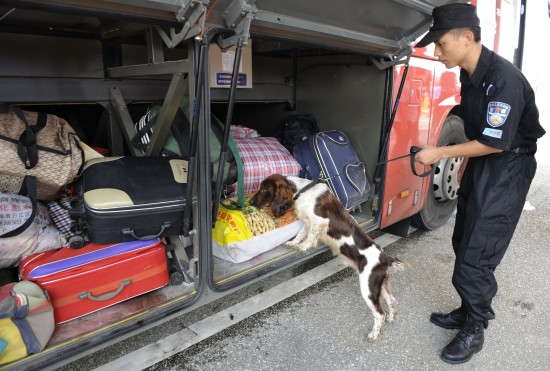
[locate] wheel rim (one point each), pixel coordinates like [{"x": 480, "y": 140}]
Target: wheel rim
[{"x": 445, "y": 184}]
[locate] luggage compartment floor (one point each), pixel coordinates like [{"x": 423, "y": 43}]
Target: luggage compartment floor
[
  {"x": 225, "y": 271},
  {"x": 116, "y": 314}
]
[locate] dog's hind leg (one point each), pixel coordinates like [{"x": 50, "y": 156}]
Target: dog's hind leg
[
  {"x": 390, "y": 301},
  {"x": 373, "y": 302}
]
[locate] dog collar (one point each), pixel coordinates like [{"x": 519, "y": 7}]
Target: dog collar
[{"x": 312, "y": 184}]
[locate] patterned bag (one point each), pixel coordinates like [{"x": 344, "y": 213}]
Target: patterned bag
[
  {"x": 39, "y": 145},
  {"x": 26, "y": 320},
  {"x": 262, "y": 157}
]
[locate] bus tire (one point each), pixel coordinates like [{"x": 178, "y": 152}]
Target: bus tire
[{"x": 442, "y": 195}]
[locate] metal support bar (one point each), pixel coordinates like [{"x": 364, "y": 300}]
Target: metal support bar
[
  {"x": 155, "y": 52},
  {"x": 114, "y": 134},
  {"x": 176, "y": 91},
  {"x": 124, "y": 119},
  {"x": 151, "y": 69}
]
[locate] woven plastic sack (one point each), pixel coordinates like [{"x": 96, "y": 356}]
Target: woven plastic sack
[
  {"x": 240, "y": 234},
  {"x": 262, "y": 157}
]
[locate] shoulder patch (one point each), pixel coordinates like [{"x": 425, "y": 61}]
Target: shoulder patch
[
  {"x": 497, "y": 112},
  {"x": 495, "y": 133}
]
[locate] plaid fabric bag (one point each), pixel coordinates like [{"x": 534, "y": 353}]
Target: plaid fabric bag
[
  {"x": 59, "y": 213},
  {"x": 262, "y": 157}
]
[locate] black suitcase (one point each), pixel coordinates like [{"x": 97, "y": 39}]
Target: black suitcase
[{"x": 128, "y": 198}]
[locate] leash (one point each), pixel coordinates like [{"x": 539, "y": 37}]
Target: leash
[{"x": 414, "y": 150}]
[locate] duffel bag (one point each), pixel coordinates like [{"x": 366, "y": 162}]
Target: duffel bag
[
  {"x": 26, "y": 320},
  {"x": 39, "y": 145}
]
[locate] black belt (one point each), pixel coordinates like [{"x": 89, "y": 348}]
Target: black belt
[{"x": 524, "y": 149}]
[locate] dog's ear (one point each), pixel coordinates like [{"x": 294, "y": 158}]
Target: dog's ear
[{"x": 283, "y": 201}]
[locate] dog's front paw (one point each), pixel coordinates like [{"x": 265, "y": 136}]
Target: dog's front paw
[
  {"x": 290, "y": 244},
  {"x": 303, "y": 248},
  {"x": 373, "y": 336}
]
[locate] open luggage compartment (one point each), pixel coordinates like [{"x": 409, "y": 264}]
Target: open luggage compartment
[{"x": 114, "y": 69}]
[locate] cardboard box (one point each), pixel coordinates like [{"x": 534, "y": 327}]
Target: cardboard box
[{"x": 221, "y": 67}]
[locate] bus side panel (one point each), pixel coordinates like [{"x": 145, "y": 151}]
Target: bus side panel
[{"x": 428, "y": 95}]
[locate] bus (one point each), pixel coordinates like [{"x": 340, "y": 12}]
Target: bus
[{"x": 101, "y": 64}]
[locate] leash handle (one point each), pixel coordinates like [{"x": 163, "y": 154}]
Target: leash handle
[{"x": 414, "y": 150}]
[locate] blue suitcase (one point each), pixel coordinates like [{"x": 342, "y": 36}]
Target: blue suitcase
[{"x": 329, "y": 155}]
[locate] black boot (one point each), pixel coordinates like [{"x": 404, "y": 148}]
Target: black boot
[
  {"x": 466, "y": 343},
  {"x": 453, "y": 320}
]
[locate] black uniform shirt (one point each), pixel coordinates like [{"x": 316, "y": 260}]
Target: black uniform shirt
[{"x": 498, "y": 104}]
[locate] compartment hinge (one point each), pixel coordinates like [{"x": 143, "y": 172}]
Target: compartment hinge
[
  {"x": 238, "y": 16},
  {"x": 403, "y": 57},
  {"x": 193, "y": 16}
]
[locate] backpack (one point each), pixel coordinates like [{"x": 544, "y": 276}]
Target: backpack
[{"x": 296, "y": 128}]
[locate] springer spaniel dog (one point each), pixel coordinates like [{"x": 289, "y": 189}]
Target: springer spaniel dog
[{"x": 326, "y": 219}]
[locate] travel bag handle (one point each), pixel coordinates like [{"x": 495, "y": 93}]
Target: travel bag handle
[
  {"x": 130, "y": 232},
  {"x": 27, "y": 148},
  {"x": 106, "y": 296}
]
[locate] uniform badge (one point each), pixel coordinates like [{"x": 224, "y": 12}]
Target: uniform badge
[
  {"x": 497, "y": 112},
  {"x": 495, "y": 133}
]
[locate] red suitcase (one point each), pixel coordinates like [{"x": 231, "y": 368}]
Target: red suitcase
[{"x": 86, "y": 280}]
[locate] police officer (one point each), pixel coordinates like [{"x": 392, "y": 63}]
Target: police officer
[{"x": 501, "y": 122}]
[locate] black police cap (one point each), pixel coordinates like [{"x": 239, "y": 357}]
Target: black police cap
[{"x": 447, "y": 17}]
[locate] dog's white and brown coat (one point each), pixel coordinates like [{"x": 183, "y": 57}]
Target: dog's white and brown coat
[{"x": 325, "y": 219}]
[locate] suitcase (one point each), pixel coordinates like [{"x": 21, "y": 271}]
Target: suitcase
[
  {"x": 130, "y": 198},
  {"x": 94, "y": 277},
  {"x": 329, "y": 155}
]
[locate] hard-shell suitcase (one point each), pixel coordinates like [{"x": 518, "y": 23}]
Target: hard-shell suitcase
[
  {"x": 129, "y": 198},
  {"x": 329, "y": 155},
  {"x": 86, "y": 280}
]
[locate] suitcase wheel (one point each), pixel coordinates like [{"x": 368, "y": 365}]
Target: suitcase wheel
[
  {"x": 176, "y": 278},
  {"x": 77, "y": 242}
]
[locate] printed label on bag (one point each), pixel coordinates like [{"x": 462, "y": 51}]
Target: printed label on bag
[
  {"x": 179, "y": 169},
  {"x": 16, "y": 210}
]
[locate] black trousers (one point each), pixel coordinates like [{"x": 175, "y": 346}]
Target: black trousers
[{"x": 490, "y": 201}]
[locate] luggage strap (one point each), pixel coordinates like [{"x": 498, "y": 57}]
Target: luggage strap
[
  {"x": 27, "y": 148},
  {"x": 28, "y": 188}
]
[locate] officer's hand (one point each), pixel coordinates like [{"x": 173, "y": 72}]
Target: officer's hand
[{"x": 429, "y": 155}]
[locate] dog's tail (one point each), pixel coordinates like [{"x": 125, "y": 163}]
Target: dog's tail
[{"x": 397, "y": 264}]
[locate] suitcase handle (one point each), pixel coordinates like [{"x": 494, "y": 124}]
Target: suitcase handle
[
  {"x": 130, "y": 232},
  {"x": 107, "y": 296}
]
